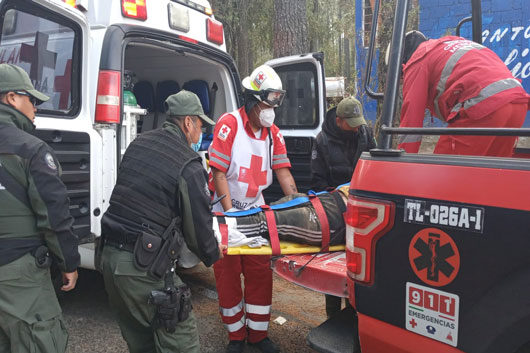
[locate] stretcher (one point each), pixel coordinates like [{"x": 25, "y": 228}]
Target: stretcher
[
  {"x": 277, "y": 246},
  {"x": 286, "y": 248}
]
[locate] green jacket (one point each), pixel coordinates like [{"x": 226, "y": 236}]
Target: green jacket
[
  {"x": 32, "y": 163},
  {"x": 160, "y": 177},
  {"x": 194, "y": 201}
]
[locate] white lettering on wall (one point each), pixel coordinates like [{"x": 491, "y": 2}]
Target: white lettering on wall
[
  {"x": 498, "y": 35},
  {"x": 518, "y": 60}
]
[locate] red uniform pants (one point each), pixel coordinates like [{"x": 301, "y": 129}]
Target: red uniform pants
[
  {"x": 511, "y": 115},
  {"x": 248, "y": 315}
]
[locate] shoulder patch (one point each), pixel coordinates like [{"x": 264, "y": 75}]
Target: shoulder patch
[
  {"x": 224, "y": 131},
  {"x": 280, "y": 137},
  {"x": 50, "y": 161}
]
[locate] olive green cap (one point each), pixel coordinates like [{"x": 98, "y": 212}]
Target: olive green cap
[
  {"x": 351, "y": 110},
  {"x": 14, "y": 78},
  {"x": 186, "y": 103}
]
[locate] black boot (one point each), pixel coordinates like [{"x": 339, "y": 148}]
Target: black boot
[
  {"x": 266, "y": 346},
  {"x": 235, "y": 347}
]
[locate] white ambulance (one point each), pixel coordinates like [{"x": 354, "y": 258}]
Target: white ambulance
[{"x": 77, "y": 52}]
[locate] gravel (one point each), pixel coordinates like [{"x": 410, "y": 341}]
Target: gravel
[{"x": 92, "y": 326}]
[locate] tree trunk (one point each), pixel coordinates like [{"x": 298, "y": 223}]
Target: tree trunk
[
  {"x": 347, "y": 67},
  {"x": 243, "y": 49},
  {"x": 290, "y": 27},
  {"x": 315, "y": 43}
]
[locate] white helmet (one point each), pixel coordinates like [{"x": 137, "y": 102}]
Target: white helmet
[{"x": 265, "y": 84}]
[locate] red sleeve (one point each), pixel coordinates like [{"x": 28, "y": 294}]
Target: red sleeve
[
  {"x": 279, "y": 157},
  {"x": 415, "y": 96},
  {"x": 223, "y": 137}
]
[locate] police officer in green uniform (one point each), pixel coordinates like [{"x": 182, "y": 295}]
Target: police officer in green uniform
[
  {"x": 159, "y": 205},
  {"x": 34, "y": 221}
]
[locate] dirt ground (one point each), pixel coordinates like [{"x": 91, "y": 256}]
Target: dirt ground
[{"x": 92, "y": 326}]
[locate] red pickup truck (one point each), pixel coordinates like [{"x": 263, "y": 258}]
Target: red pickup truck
[{"x": 437, "y": 246}]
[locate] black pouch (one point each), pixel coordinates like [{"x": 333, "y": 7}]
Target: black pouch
[
  {"x": 185, "y": 302},
  {"x": 166, "y": 257},
  {"x": 42, "y": 256},
  {"x": 145, "y": 250}
]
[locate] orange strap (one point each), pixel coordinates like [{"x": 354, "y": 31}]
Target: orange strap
[
  {"x": 323, "y": 218},
  {"x": 273, "y": 231}
]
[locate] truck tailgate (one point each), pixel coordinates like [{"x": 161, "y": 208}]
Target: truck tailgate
[{"x": 324, "y": 273}]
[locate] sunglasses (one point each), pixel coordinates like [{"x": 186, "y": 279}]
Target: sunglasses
[{"x": 32, "y": 99}]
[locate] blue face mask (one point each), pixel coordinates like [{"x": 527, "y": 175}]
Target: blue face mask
[{"x": 196, "y": 146}]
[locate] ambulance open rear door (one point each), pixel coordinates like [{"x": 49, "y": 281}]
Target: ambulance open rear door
[{"x": 301, "y": 115}]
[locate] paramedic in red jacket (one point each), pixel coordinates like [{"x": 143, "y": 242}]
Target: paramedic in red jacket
[
  {"x": 246, "y": 148},
  {"x": 464, "y": 84}
]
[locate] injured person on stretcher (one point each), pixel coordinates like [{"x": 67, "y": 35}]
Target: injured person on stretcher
[{"x": 314, "y": 219}]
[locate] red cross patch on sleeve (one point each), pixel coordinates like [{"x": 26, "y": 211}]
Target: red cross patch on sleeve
[
  {"x": 224, "y": 131},
  {"x": 280, "y": 137}
]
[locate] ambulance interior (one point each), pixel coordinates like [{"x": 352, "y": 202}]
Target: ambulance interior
[{"x": 162, "y": 71}]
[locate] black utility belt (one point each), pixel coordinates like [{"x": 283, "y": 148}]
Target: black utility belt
[
  {"x": 153, "y": 253},
  {"x": 12, "y": 249},
  {"x": 120, "y": 244}
]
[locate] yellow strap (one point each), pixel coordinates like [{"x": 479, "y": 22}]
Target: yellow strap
[{"x": 286, "y": 248}]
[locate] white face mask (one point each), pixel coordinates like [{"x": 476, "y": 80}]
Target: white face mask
[{"x": 266, "y": 117}]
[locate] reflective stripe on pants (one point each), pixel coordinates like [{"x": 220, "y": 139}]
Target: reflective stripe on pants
[
  {"x": 233, "y": 311},
  {"x": 257, "y": 296}
]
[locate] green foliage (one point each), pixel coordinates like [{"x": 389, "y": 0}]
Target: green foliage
[
  {"x": 261, "y": 31},
  {"x": 259, "y": 25},
  {"x": 328, "y": 22}
]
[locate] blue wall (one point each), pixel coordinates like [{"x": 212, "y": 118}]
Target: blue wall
[
  {"x": 505, "y": 23},
  {"x": 369, "y": 105}
]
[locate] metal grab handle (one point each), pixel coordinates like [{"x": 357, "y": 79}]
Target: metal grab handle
[{"x": 368, "y": 73}]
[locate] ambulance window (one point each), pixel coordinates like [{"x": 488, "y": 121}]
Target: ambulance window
[
  {"x": 46, "y": 47},
  {"x": 300, "y": 106}
]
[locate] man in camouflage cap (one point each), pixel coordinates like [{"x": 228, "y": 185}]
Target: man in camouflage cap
[{"x": 34, "y": 221}]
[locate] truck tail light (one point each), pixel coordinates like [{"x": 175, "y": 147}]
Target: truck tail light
[
  {"x": 136, "y": 9},
  {"x": 108, "y": 97},
  {"x": 214, "y": 31},
  {"x": 366, "y": 220}
]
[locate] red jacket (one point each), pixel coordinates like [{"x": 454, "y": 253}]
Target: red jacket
[{"x": 454, "y": 76}]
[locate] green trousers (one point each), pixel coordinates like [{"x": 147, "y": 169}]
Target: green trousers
[
  {"x": 30, "y": 315},
  {"x": 128, "y": 290}
]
